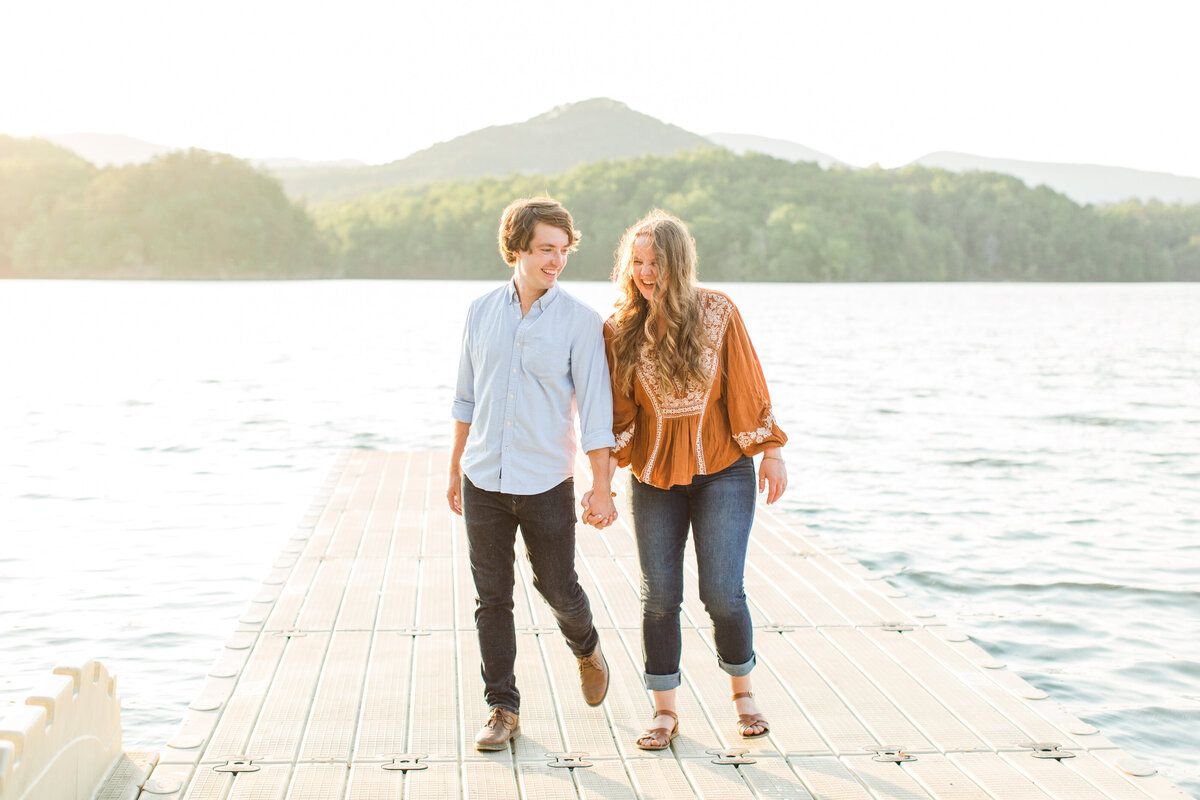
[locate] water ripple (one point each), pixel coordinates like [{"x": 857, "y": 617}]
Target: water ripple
[{"x": 1023, "y": 460}]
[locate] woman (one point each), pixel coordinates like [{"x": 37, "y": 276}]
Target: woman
[{"x": 690, "y": 406}]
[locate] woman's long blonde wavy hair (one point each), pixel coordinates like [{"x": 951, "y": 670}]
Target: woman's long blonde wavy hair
[{"x": 671, "y": 321}]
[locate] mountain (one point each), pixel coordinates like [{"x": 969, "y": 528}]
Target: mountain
[
  {"x": 776, "y": 148},
  {"x": 115, "y": 150},
  {"x": 601, "y": 128},
  {"x": 1083, "y": 183},
  {"x": 284, "y": 163},
  {"x": 548, "y": 144},
  {"x": 109, "y": 149}
]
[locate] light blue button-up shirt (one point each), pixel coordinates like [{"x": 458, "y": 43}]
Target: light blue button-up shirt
[{"x": 518, "y": 382}]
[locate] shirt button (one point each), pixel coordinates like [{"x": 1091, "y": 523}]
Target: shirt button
[
  {"x": 511, "y": 396},
  {"x": 509, "y": 422}
]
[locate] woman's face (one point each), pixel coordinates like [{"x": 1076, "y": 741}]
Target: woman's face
[{"x": 644, "y": 266}]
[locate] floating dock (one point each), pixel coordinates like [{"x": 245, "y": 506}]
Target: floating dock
[{"x": 354, "y": 674}]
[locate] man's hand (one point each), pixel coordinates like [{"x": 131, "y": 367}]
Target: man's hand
[
  {"x": 598, "y": 508},
  {"x": 599, "y": 511},
  {"x": 454, "y": 492},
  {"x": 454, "y": 485}
]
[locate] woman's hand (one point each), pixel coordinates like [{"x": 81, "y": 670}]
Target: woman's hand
[
  {"x": 772, "y": 475},
  {"x": 603, "y": 513}
]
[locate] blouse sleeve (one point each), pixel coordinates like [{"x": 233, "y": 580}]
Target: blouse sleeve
[
  {"x": 624, "y": 408},
  {"x": 751, "y": 420}
]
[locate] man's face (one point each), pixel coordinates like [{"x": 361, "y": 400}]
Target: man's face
[{"x": 538, "y": 268}]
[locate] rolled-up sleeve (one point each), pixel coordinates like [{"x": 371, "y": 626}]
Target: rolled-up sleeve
[
  {"x": 463, "y": 408},
  {"x": 589, "y": 373}
]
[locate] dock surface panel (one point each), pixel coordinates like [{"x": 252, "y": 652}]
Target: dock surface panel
[{"x": 354, "y": 675}]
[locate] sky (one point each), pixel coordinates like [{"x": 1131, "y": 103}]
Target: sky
[{"x": 868, "y": 82}]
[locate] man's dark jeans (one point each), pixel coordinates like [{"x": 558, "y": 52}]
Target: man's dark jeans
[{"x": 547, "y": 523}]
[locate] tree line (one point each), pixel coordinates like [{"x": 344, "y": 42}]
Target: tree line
[
  {"x": 187, "y": 214},
  {"x": 202, "y": 215}
]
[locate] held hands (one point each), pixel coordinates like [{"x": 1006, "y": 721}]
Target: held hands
[
  {"x": 599, "y": 511},
  {"x": 773, "y": 473}
]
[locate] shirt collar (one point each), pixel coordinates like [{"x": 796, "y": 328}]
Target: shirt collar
[{"x": 544, "y": 301}]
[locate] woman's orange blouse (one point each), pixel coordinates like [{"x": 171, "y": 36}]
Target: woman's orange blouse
[{"x": 669, "y": 440}]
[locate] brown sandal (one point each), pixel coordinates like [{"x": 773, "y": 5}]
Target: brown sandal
[
  {"x": 747, "y": 721},
  {"x": 659, "y": 734}
]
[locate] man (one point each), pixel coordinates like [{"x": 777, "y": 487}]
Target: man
[{"x": 531, "y": 353}]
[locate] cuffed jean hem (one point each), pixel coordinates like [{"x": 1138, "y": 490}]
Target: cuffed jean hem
[
  {"x": 662, "y": 683},
  {"x": 738, "y": 670}
]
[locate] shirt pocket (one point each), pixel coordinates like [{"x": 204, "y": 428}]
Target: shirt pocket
[{"x": 547, "y": 359}]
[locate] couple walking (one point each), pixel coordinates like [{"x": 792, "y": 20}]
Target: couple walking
[{"x": 670, "y": 386}]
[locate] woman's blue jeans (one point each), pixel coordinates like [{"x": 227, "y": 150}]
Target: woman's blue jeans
[{"x": 720, "y": 510}]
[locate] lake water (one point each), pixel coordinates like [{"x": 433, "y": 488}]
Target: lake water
[{"x": 1023, "y": 459}]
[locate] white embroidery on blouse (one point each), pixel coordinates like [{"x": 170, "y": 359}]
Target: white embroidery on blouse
[
  {"x": 658, "y": 426},
  {"x": 624, "y": 439},
  {"x": 716, "y": 311},
  {"x": 746, "y": 439}
]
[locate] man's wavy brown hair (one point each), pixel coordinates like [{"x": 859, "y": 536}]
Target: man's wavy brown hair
[
  {"x": 522, "y": 216},
  {"x": 671, "y": 321}
]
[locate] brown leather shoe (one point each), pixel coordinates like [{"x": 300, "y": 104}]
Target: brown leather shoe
[
  {"x": 501, "y": 726},
  {"x": 593, "y": 677}
]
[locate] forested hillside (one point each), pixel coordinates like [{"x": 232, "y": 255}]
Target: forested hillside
[
  {"x": 758, "y": 218},
  {"x": 201, "y": 215},
  {"x": 34, "y": 176},
  {"x": 187, "y": 214}
]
